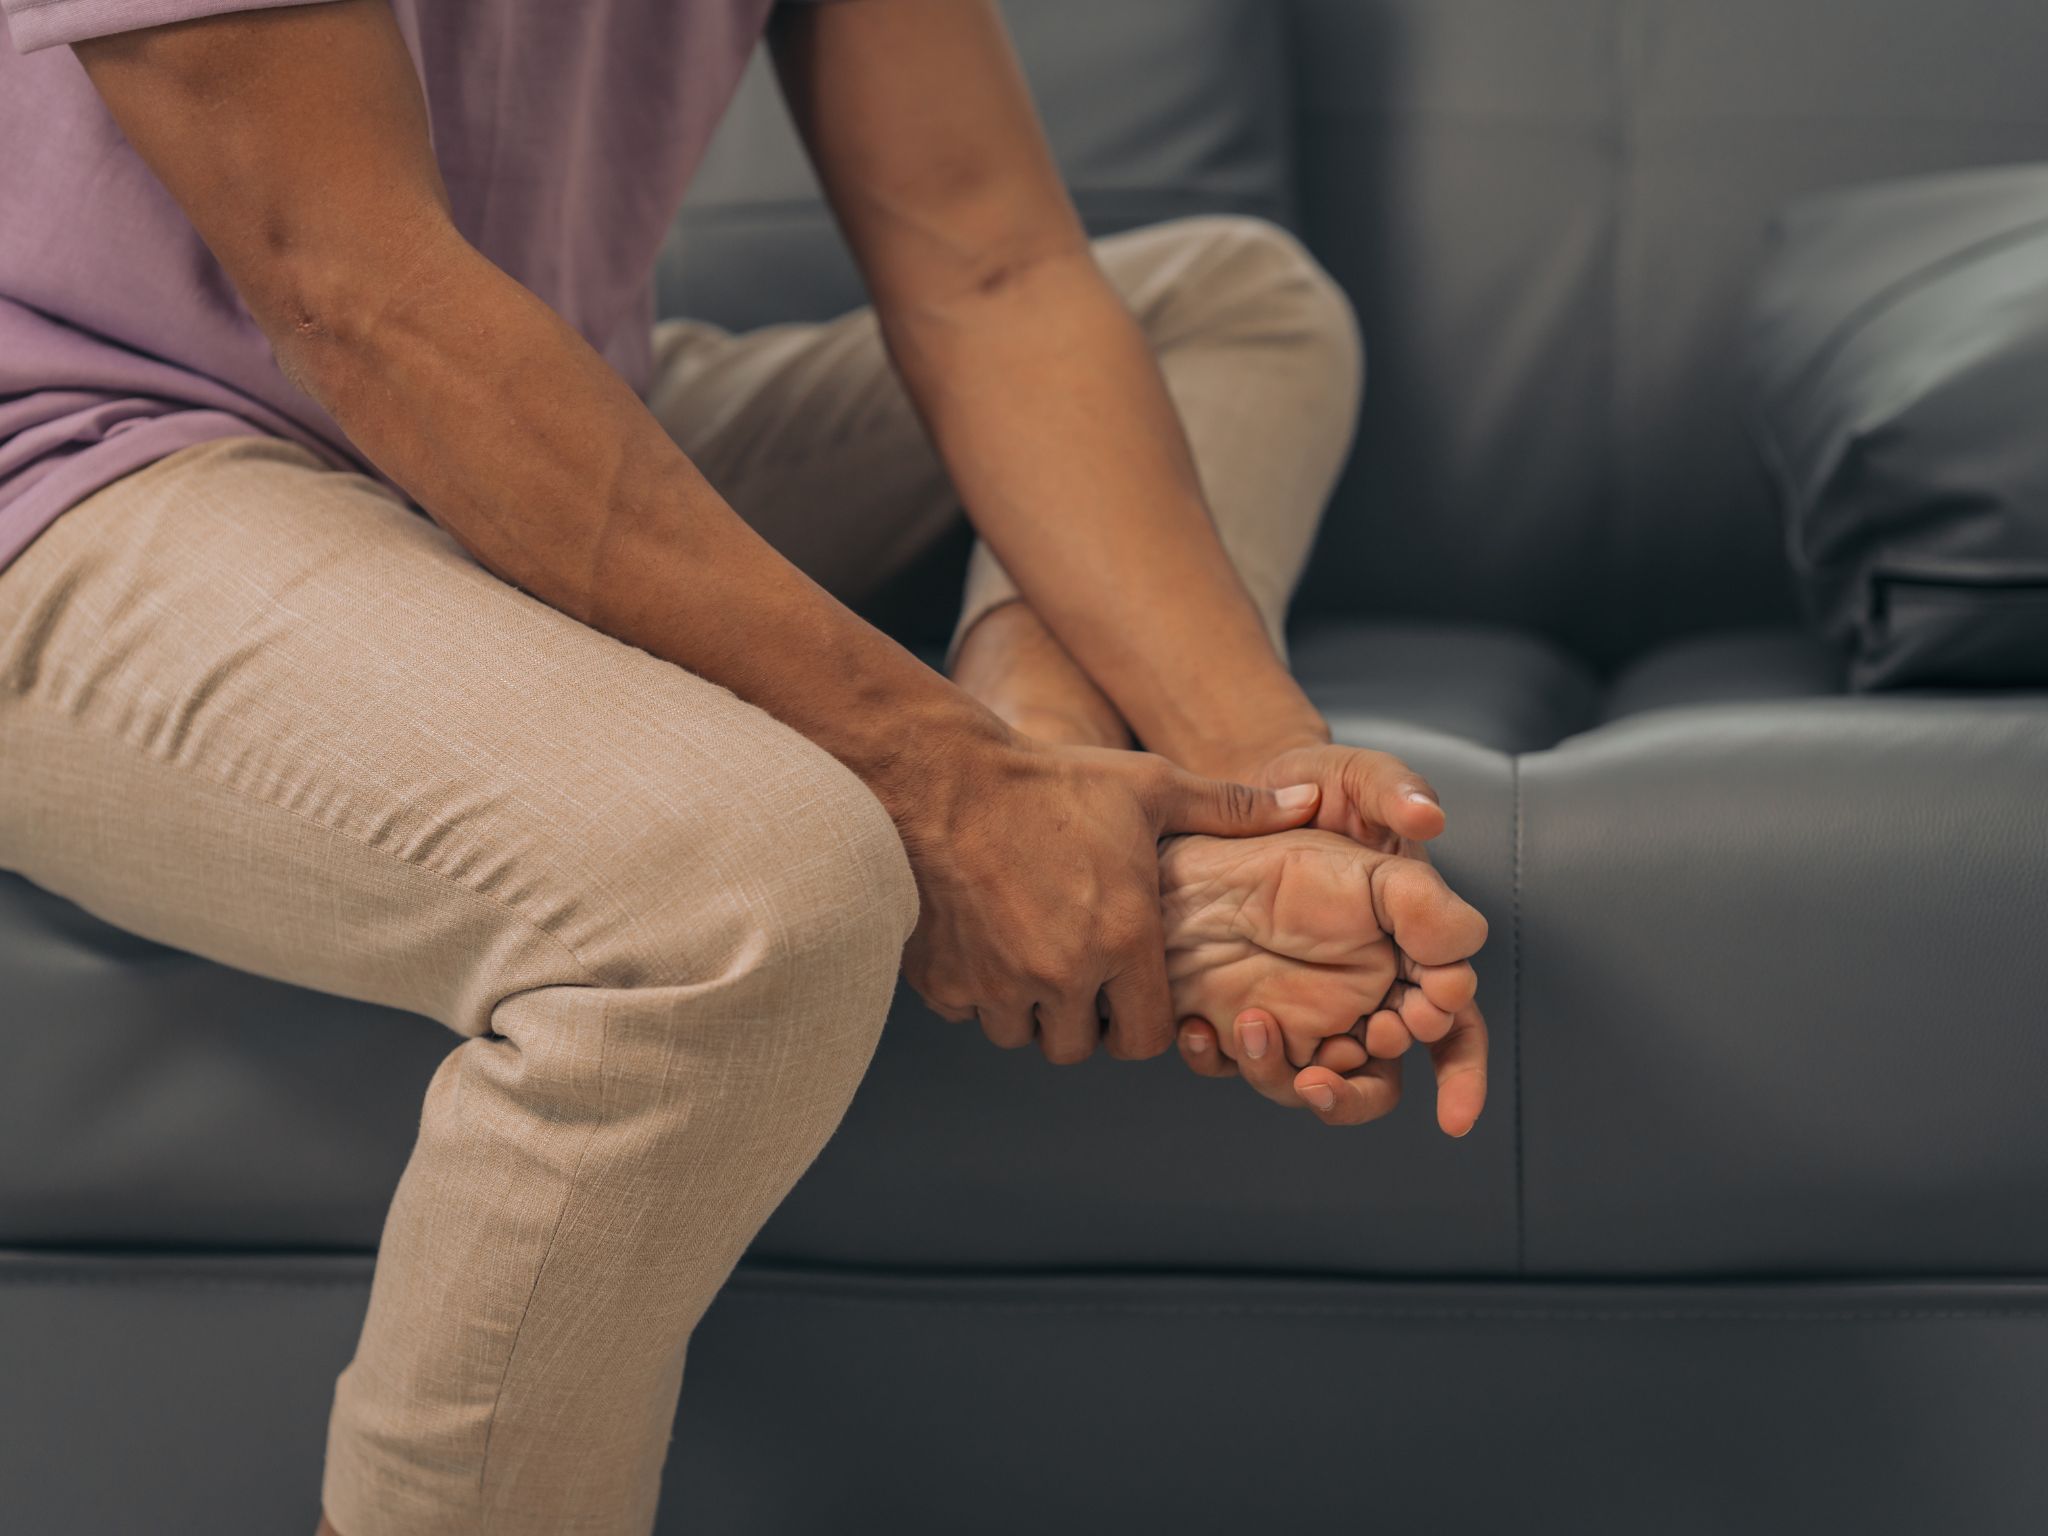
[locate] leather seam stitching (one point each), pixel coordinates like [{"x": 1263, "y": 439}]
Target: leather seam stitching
[
  {"x": 741, "y": 1282},
  {"x": 2038, "y": 1313},
  {"x": 746, "y": 1283},
  {"x": 1515, "y": 1005}
]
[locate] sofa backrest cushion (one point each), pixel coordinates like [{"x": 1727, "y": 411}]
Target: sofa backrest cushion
[
  {"x": 1548, "y": 213},
  {"x": 1156, "y": 109}
]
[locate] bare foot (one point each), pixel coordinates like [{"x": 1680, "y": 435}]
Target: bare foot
[{"x": 1306, "y": 950}]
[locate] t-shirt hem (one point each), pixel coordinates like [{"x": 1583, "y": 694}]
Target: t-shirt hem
[
  {"x": 39, "y": 24},
  {"x": 26, "y": 515}
]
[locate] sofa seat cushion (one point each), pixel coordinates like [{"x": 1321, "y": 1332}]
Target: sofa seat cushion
[
  {"x": 1763, "y": 980},
  {"x": 1507, "y": 689},
  {"x": 1736, "y": 667},
  {"x": 1780, "y": 981},
  {"x": 153, "y": 1098}
]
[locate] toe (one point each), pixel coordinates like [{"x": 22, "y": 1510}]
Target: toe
[
  {"x": 1386, "y": 1035},
  {"x": 1450, "y": 987},
  {"x": 1425, "y": 1021},
  {"x": 1430, "y": 922},
  {"x": 1460, "y": 1060},
  {"x": 1341, "y": 1054}
]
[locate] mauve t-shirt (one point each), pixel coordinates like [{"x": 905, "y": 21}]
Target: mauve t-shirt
[{"x": 566, "y": 131}]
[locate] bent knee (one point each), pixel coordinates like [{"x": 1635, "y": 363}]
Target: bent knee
[
  {"x": 779, "y": 869},
  {"x": 829, "y": 875},
  {"x": 1247, "y": 277}
]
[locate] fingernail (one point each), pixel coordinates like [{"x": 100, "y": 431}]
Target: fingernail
[
  {"x": 1320, "y": 1096},
  {"x": 1422, "y": 797},
  {"x": 1252, "y": 1034},
  {"x": 1197, "y": 1044},
  {"x": 1296, "y": 797}
]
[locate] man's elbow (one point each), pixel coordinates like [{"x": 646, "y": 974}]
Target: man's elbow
[{"x": 329, "y": 305}]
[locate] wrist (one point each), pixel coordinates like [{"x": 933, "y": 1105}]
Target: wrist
[{"x": 916, "y": 756}]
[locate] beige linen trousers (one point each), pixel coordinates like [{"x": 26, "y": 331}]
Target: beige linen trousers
[{"x": 262, "y": 710}]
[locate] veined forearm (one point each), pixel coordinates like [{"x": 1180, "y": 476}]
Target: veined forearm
[{"x": 521, "y": 441}]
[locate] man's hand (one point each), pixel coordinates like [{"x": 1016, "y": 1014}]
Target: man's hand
[
  {"x": 1039, "y": 872},
  {"x": 1371, "y": 797},
  {"x": 1375, "y": 801}
]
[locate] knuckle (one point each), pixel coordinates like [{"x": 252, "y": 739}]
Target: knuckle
[
  {"x": 1156, "y": 780},
  {"x": 1240, "y": 801},
  {"x": 1047, "y": 968},
  {"x": 948, "y": 1001},
  {"x": 1127, "y": 927}
]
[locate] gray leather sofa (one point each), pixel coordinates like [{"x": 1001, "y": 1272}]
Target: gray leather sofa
[{"x": 1755, "y": 1234}]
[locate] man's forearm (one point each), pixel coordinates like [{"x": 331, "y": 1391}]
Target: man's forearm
[
  {"x": 1051, "y": 415},
  {"x": 531, "y": 450}
]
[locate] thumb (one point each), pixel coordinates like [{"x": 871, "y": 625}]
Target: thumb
[{"x": 1221, "y": 808}]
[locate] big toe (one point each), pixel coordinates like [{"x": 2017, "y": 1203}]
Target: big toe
[{"x": 1429, "y": 921}]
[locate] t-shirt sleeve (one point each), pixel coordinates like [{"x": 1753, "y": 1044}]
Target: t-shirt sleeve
[{"x": 37, "y": 24}]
